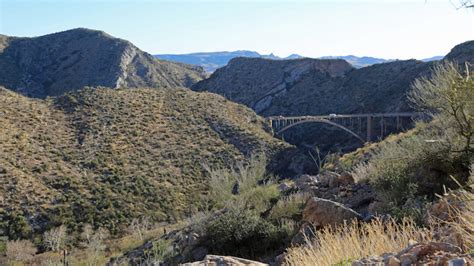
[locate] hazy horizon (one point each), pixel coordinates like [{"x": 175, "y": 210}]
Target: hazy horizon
[{"x": 308, "y": 28}]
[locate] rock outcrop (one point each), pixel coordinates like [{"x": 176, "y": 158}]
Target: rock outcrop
[
  {"x": 461, "y": 53},
  {"x": 431, "y": 253},
  {"x": 262, "y": 83},
  {"x": 321, "y": 212},
  {"x": 53, "y": 64},
  {"x": 213, "y": 260},
  {"x": 312, "y": 86}
]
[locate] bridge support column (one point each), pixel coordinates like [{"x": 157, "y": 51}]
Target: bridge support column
[
  {"x": 382, "y": 133},
  {"x": 369, "y": 128}
]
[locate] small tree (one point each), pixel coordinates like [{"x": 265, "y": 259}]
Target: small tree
[
  {"x": 93, "y": 242},
  {"x": 466, "y": 4},
  {"x": 55, "y": 239},
  {"x": 139, "y": 226},
  {"x": 449, "y": 96}
]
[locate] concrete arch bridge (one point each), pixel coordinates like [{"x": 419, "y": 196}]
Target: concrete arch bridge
[{"x": 365, "y": 127}]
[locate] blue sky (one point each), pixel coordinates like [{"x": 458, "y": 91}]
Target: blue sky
[{"x": 382, "y": 28}]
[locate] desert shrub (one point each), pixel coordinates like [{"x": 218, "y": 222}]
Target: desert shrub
[
  {"x": 419, "y": 165},
  {"x": 138, "y": 226},
  {"x": 16, "y": 225},
  {"x": 289, "y": 207},
  {"x": 20, "y": 250},
  {"x": 448, "y": 95},
  {"x": 410, "y": 167},
  {"x": 159, "y": 252},
  {"x": 55, "y": 239},
  {"x": 243, "y": 232},
  {"x": 3, "y": 244},
  {"x": 343, "y": 244},
  {"x": 456, "y": 220},
  {"x": 248, "y": 186},
  {"x": 94, "y": 244}
]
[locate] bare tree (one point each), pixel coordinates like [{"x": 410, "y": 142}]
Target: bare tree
[
  {"x": 139, "y": 226},
  {"x": 466, "y": 4},
  {"x": 93, "y": 242},
  {"x": 55, "y": 238}
]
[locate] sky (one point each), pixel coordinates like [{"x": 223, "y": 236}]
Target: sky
[{"x": 392, "y": 29}]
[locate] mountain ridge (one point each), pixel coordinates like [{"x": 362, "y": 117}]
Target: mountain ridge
[
  {"x": 210, "y": 61},
  {"x": 55, "y": 63}
]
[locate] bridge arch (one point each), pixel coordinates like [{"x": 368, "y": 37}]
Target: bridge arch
[{"x": 321, "y": 120}]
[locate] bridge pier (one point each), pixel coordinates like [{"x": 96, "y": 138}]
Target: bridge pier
[{"x": 369, "y": 128}]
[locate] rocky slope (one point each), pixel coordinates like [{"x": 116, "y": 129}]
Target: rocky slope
[
  {"x": 311, "y": 87},
  {"x": 56, "y": 63},
  {"x": 318, "y": 87},
  {"x": 463, "y": 52},
  {"x": 105, "y": 156},
  {"x": 260, "y": 83}
]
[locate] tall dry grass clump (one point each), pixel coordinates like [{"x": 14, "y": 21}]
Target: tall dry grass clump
[{"x": 353, "y": 241}]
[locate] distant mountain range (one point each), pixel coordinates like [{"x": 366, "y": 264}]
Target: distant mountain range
[{"x": 214, "y": 60}]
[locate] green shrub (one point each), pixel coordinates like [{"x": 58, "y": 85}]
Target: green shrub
[
  {"x": 289, "y": 207},
  {"x": 247, "y": 186},
  {"x": 416, "y": 165},
  {"x": 414, "y": 168},
  {"x": 242, "y": 232}
]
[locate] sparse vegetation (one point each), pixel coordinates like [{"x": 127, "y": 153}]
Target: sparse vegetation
[
  {"x": 106, "y": 157},
  {"x": 20, "y": 250},
  {"x": 414, "y": 168},
  {"x": 352, "y": 241},
  {"x": 289, "y": 207}
]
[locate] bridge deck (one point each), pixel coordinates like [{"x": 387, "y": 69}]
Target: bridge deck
[{"x": 406, "y": 114}]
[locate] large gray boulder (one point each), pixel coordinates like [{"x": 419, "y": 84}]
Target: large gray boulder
[
  {"x": 215, "y": 260},
  {"x": 322, "y": 212}
]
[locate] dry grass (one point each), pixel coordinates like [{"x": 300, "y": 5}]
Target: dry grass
[
  {"x": 355, "y": 241},
  {"x": 20, "y": 250}
]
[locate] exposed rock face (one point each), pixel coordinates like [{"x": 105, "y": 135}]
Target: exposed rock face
[
  {"x": 321, "y": 212},
  {"x": 462, "y": 53},
  {"x": 53, "y": 64},
  {"x": 431, "y": 253},
  {"x": 338, "y": 188},
  {"x": 315, "y": 86},
  {"x": 311, "y": 86},
  {"x": 213, "y": 260},
  {"x": 258, "y": 82}
]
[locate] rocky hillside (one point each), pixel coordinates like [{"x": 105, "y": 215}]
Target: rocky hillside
[
  {"x": 310, "y": 86},
  {"x": 56, "y": 63},
  {"x": 262, "y": 83},
  {"x": 463, "y": 52},
  {"x": 105, "y": 156}
]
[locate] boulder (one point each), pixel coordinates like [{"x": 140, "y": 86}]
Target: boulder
[
  {"x": 321, "y": 212},
  {"x": 429, "y": 253},
  {"x": 216, "y": 260},
  {"x": 306, "y": 182},
  {"x": 344, "y": 179}
]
